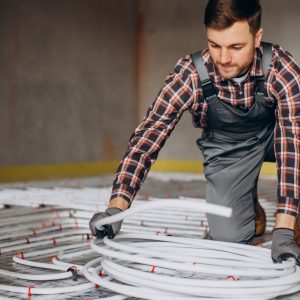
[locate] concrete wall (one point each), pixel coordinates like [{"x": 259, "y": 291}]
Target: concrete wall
[
  {"x": 67, "y": 80},
  {"x": 76, "y": 76}
]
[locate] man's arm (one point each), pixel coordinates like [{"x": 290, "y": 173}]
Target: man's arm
[
  {"x": 286, "y": 90},
  {"x": 177, "y": 95}
]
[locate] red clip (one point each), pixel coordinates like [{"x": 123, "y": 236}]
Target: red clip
[
  {"x": 20, "y": 255},
  {"x": 33, "y": 232},
  {"x": 42, "y": 225},
  {"x": 52, "y": 257},
  {"x": 230, "y": 278},
  {"x": 27, "y": 240},
  {"x": 101, "y": 274},
  {"x": 153, "y": 269},
  {"x": 53, "y": 241},
  {"x": 29, "y": 290}
]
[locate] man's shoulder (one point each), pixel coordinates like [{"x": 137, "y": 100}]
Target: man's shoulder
[
  {"x": 280, "y": 54},
  {"x": 185, "y": 63},
  {"x": 185, "y": 66}
]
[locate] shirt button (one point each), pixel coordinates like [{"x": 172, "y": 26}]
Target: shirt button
[{"x": 240, "y": 92}]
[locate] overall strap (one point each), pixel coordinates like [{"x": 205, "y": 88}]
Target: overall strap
[
  {"x": 207, "y": 85},
  {"x": 266, "y": 62}
]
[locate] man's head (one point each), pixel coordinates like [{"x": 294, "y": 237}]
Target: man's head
[{"x": 233, "y": 33}]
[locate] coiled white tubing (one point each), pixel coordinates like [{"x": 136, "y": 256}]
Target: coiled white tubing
[
  {"x": 189, "y": 268},
  {"x": 168, "y": 267}
]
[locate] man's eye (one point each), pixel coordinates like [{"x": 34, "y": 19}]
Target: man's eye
[
  {"x": 214, "y": 46},
  {"x": 237, "y": 48}
]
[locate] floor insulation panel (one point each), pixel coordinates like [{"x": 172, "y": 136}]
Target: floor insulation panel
[{"x": 42, "y": 220}]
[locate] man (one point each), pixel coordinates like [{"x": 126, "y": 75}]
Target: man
[{"x": 245, "y": 94}]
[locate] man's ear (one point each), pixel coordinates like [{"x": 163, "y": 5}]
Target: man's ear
[{"x": 258, "y": 37}]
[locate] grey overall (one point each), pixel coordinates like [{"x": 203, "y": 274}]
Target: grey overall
[{"x": 234, "y": 146}]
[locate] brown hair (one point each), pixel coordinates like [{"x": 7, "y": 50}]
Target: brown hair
[{"x": 221, "y": 14}]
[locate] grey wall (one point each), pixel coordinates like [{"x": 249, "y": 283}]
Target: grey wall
[
  {"x": 76, "y": 76},
  {"x": 67, "y": 84}
]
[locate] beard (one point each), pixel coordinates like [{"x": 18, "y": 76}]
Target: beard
[{"x": 231, "y": 71}]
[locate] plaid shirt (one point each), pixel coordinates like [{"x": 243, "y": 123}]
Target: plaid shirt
[{"x": 182, "y": 91}]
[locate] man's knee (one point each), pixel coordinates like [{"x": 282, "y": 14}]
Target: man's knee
[{"x": 233, "y": 233}]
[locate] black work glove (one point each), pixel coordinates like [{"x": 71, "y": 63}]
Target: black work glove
[
  {"x": 284, "y": 245},
  {"x": 109, "y": 230}
]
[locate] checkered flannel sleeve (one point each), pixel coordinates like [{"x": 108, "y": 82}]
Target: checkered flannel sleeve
[
  {"x": 286, "y": 90},
  {"x": 176, "y": 96}
]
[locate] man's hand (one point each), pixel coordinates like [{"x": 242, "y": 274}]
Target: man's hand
[
  {"x": 284, "y": 245},
  {"x": 109, "y": 230}
]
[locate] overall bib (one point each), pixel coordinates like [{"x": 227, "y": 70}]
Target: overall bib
[{"x": 234, "y": 146}]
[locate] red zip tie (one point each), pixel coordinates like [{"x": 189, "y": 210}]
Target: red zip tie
[
  {"x": 153, "y": 269},
  {"x": 29, "y": 290},
  {"x": 101, "y": 275},
  {"x": 230, "y": 278},
  {"x": 53, "y": 241},
  {"x": 53, "y": 223},
  {"x": 52, "y": 257},
  {"x": 27, "y": 240},
  {"x": 33, "y": 232},
  {"x": 20, "y": 255},
  {"x": 42, "y": 225},
  {"x": 60, "y": 227}
]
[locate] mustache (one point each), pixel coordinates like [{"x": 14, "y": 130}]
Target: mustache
[{"x": 226, "y": 65}]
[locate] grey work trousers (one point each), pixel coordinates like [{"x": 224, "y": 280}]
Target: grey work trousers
[{"x": 232, "y": 162}]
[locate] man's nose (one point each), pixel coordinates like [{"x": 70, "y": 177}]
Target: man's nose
[{"x": 225, "y": 56}]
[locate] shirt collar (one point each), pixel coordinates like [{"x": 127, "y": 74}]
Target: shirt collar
[{"x": 213, "y": 72}]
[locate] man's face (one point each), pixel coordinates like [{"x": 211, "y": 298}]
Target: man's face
[{"x": 232, "y": 49}]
